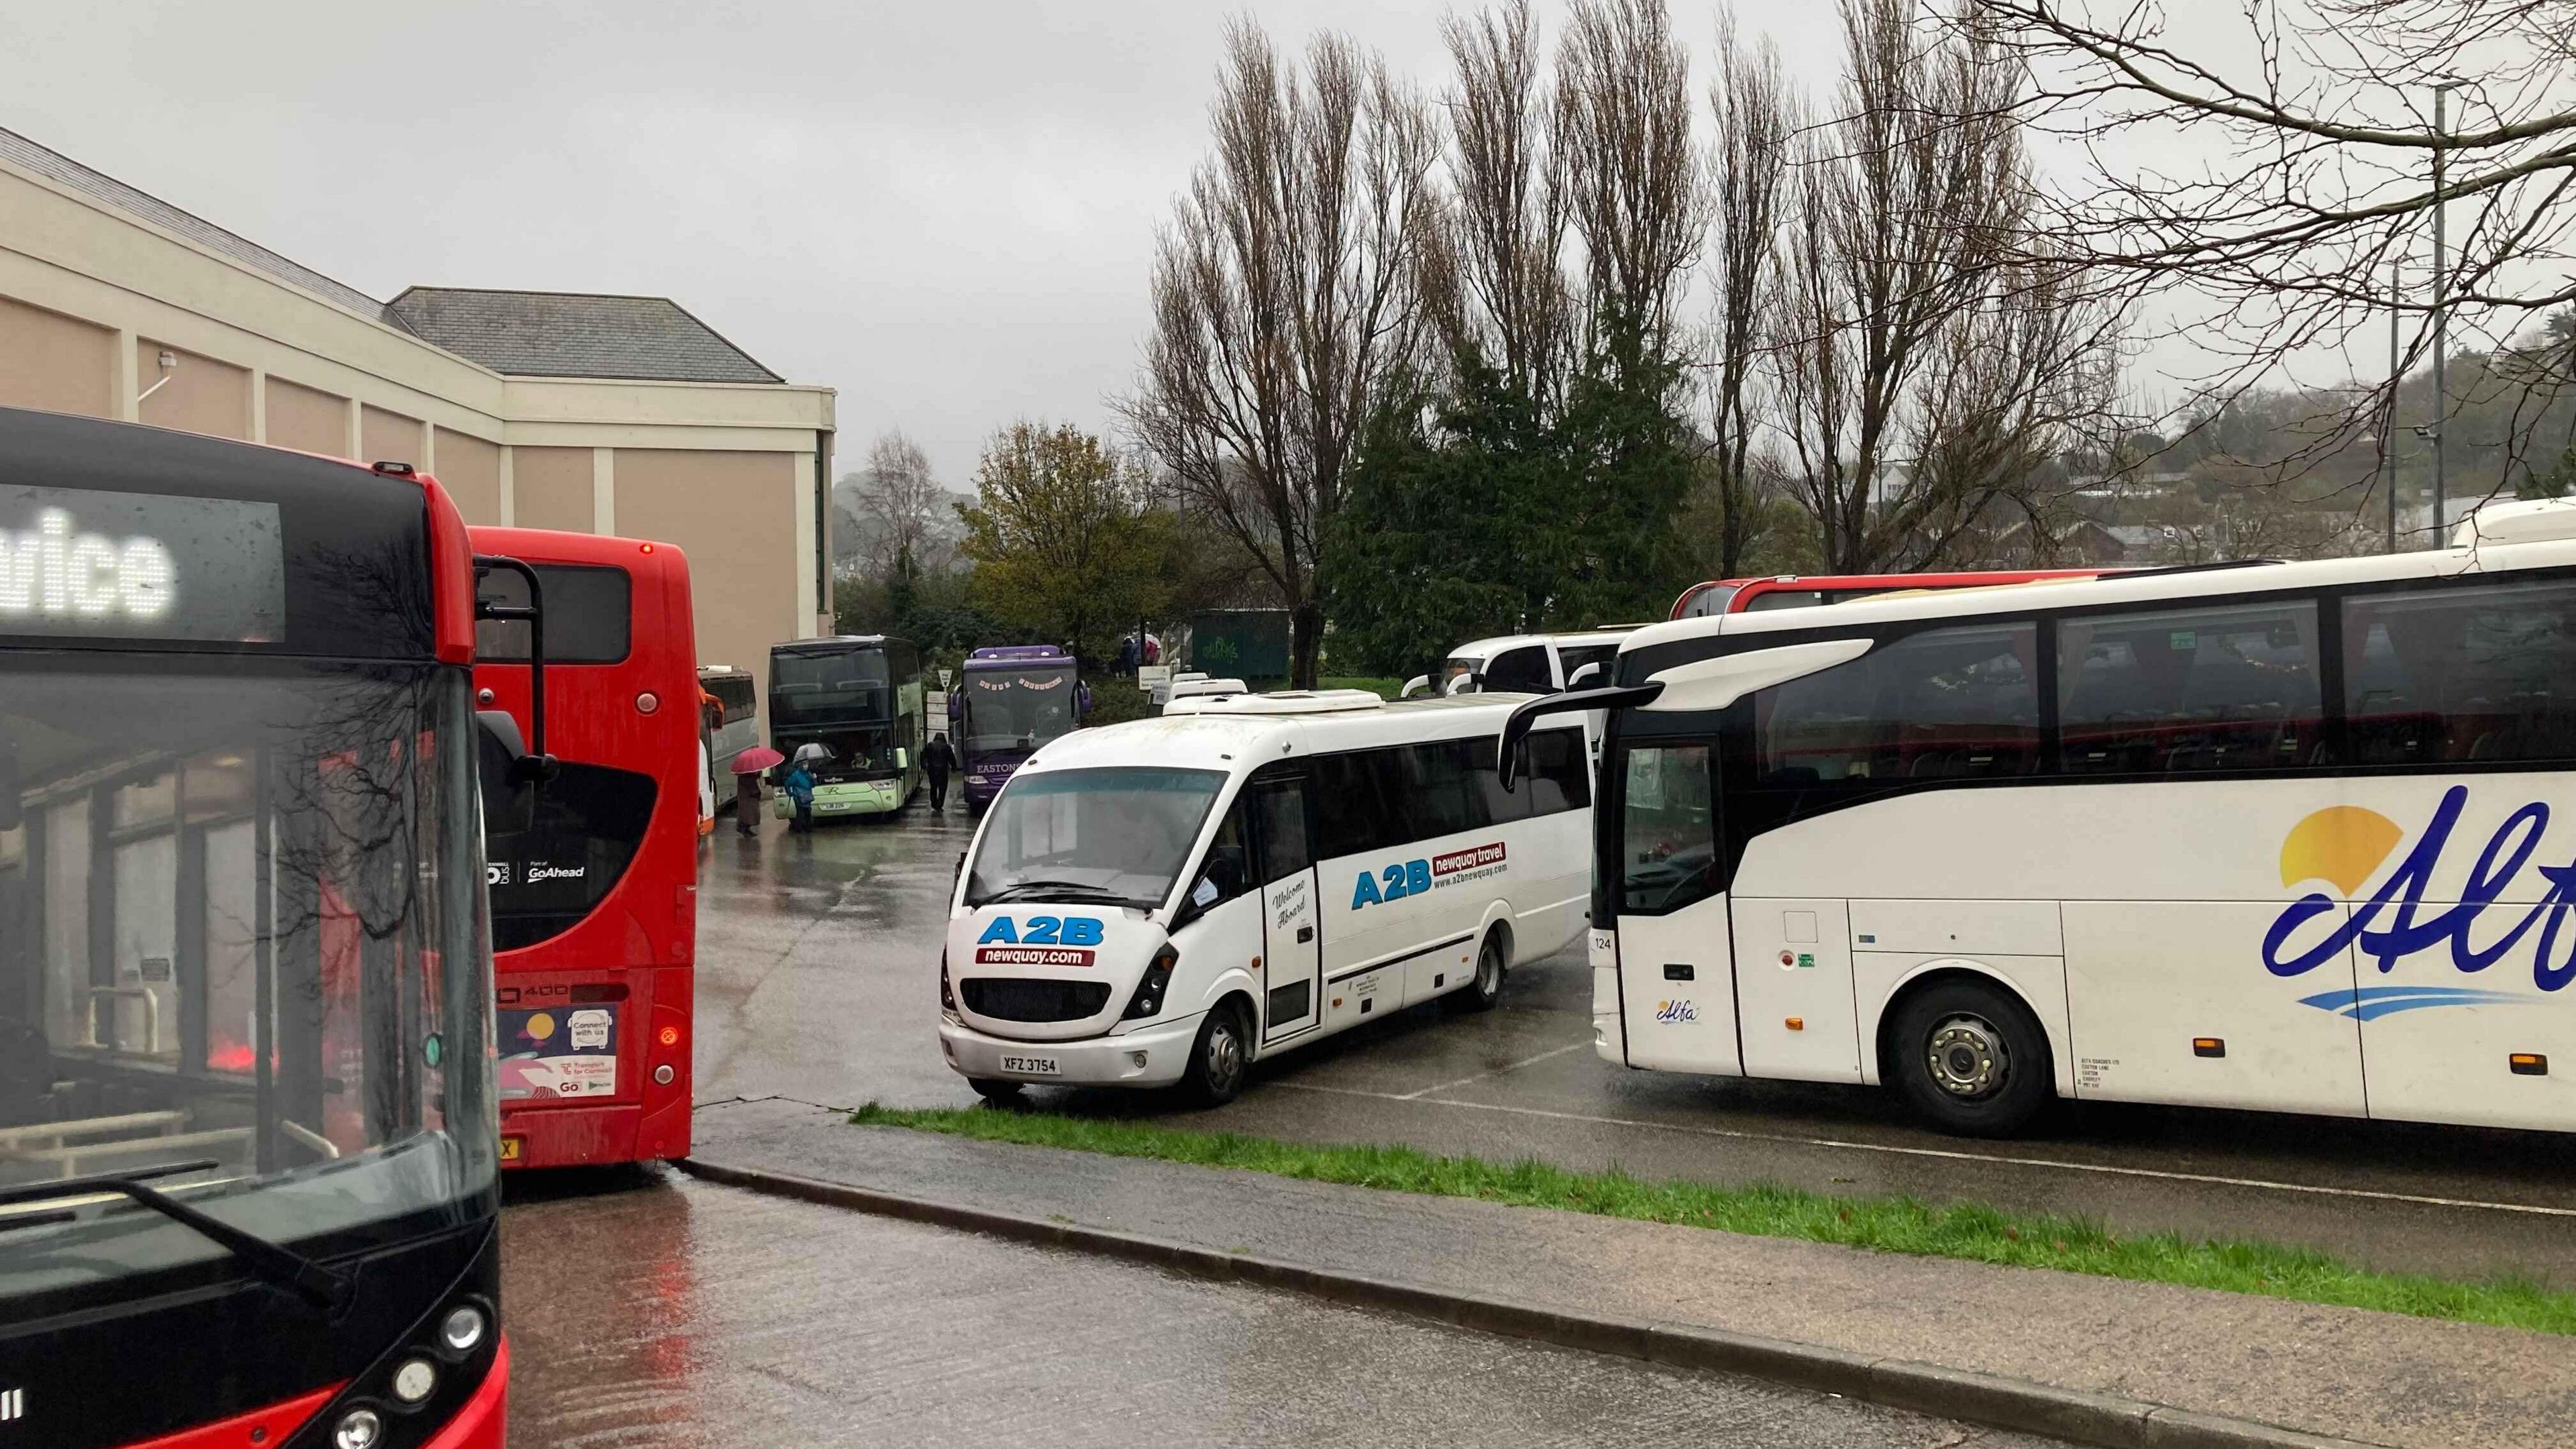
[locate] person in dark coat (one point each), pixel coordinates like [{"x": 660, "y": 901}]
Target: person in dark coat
[
  {"x": 746, "y": 802},
  {"x": 1128, "y": 656},
  {"x": 938, "y": 759}
]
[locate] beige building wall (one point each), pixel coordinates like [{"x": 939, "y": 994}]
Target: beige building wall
[
  {"x": 197, "y": 395},
  {"x": 385, "y": 437},
  {"x": 470, "y": 469},
  {"x": 307, "y": 420},
  {"x": 92, "y": 293},
  {"x": 733, "y": 513},
  {"x": 551, "y": 488},
  {"x": 54, "y": 363}
]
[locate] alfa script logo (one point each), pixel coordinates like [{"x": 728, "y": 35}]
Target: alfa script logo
[
  {"x": 1676, "y": 1013},
  {"x": 2345, "y": 845}
]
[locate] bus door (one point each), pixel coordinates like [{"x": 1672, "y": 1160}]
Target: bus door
[
  {"x": 1293, "y": 958},
  {"x": 1676, "y": 963}
]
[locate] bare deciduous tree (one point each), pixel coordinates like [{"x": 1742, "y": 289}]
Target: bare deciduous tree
[
  {"x": 1757, "y": 117},
  {"x": 899, "y": 506},
  {"x": 1284, "y": 293},
  {"x": 1498, "y": 283},
  {"x": 1918, "y": 355},
  {"x": 1635, "y": 190},
  {"x": 2263, "y": 170}
]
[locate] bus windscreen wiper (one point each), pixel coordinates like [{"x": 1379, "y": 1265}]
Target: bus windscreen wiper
[
  {"x": 1042, "y": 889},
  {"x": 322, "y": 1287}
]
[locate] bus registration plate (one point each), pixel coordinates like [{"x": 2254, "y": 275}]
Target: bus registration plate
[
  {"x": 510, "y": 1147},
  {"x": 1032, "y": 1066}
]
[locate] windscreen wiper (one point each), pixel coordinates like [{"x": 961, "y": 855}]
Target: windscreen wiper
[
  {"x": 324, "y": 1288},
  {"x": 1028, "y": 888}
]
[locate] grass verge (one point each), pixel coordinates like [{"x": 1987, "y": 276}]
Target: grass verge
[{"x": 1888, "y": 1225}]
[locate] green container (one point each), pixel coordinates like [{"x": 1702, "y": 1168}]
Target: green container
[{"x": 1244, "y": 644}]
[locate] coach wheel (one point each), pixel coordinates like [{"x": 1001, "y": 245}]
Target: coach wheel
[
  {"x": 1221, "y": 1058},
  {"x": 994, "y": 1091},
  {"x": 1487, "y": 988},
  {"x": 1973, "y": 1059}
]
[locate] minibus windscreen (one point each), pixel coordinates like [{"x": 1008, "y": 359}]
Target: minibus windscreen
[{"x": 1116, "y": 836}]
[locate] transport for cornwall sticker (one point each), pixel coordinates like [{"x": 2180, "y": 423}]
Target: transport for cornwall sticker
[{"x": 2345, "y": 845}]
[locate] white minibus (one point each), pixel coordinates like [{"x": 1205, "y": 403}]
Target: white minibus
[
  {"x": 2277, "y": 836},
  {"x": 1196, "y": 686},
  {"x": 1172, "y": 899},
  {"x": 1522, "y": 663}
]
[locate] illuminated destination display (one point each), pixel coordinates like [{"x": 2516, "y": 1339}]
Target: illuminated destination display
[{"x": 89, "y": 564}]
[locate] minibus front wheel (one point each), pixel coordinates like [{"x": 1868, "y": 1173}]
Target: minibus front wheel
[
  {"x": 995, "y": 1091},
  {"x": 1221, "y": 1058}
]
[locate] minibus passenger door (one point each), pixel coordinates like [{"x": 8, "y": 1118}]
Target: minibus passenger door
[{"x": 1293, "y": 960}]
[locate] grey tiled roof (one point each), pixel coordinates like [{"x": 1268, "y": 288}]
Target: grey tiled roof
[
  {"x": 574, "y": 334},
  {"x": 57, "y": 167}
]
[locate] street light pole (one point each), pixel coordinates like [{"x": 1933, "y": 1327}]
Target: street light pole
[{"x": 2441, "y": 316}]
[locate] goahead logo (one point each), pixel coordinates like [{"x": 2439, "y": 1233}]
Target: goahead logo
[{"x": 2345, "y": 846}]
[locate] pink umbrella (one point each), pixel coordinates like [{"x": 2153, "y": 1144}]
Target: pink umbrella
[{"x": 756, "y": 759}]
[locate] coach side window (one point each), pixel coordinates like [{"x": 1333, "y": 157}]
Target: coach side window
[
  {"x": 2186, "y": 690},
  {"x": 1280, "y": 802},
  {"x": 1355, "y": 803},
  {"x": 2453, "y": 675},
  {"x": 1559, "y": 777},
  {"x": 1942, "y": 704},
  {"x": 1519, "y": 671}
]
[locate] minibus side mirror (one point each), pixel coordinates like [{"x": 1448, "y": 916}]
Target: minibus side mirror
[
  {"x": 1418, "y": 684},
  {"x": 1586, "y": 677},
  {"x": 1466, "y": 684}
]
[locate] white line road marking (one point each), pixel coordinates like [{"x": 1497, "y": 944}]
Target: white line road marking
[
  {"x": 1496, "y": 1072},
  {"x": 2419, "y": 1199}
]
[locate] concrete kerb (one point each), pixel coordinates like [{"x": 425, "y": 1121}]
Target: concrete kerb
[{"x": 2002, "y": 1403}]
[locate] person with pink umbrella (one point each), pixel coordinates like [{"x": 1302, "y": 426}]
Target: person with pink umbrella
[{"x": 746, "y": 785}]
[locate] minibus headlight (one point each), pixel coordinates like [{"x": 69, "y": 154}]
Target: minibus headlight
[
  {"x": 1148, "y": 1000},
  {"x": 947, "y": 993}
]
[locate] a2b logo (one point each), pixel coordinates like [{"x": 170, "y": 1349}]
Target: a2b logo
[
  {"x": 1044, "y": 931},
  {"x": 1408, "y": 878}
]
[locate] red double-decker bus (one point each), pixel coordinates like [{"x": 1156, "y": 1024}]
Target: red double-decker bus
[
  {"x": 249, "y": 1188},
  {"x": 594, "y": 892},
  {"x": 1800, "y": 591}
]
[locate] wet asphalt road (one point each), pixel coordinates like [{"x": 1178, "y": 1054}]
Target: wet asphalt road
[
  {"x": 817, "y": 981},
  {"x": 647, "y": 1309}
]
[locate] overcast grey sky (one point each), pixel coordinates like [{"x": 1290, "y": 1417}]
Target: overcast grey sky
[{"x": 946, "y": 212}]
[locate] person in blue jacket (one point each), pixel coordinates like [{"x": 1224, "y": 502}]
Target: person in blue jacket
[{"x": 800, "y": 788}]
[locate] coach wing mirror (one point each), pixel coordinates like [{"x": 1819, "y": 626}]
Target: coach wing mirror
[
  {"x": 1588, "y": 677},
  {"x": 1419, "y": 684},
  {"x": 532, "y": 765},
  {"x": 1465, "y": 684}
]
